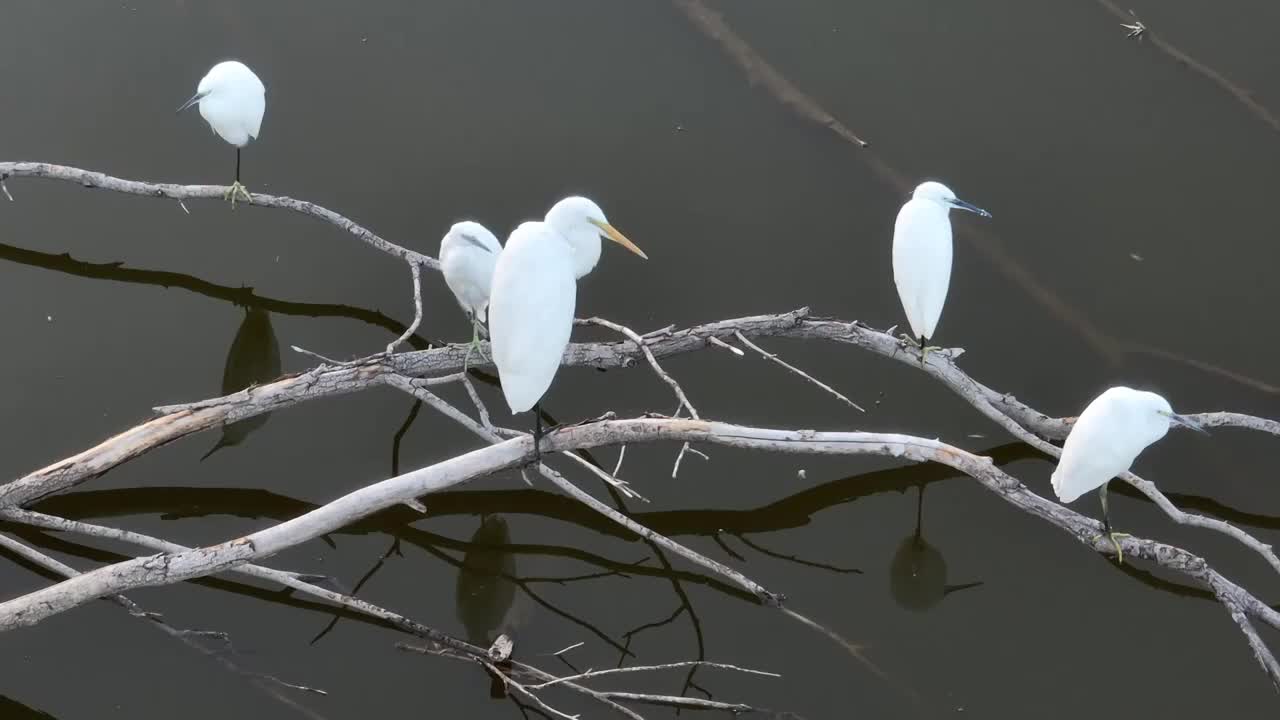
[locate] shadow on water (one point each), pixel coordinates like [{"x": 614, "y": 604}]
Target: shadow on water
[
  {"x": 918, "y": 574},
  {"x": 485, "y": 592},
  {"x": 241, "y": 296},
  {"x": 11, "y": 709},
  {"x": 254, "y": 358}
]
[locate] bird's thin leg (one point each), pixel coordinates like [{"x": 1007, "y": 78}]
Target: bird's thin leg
[
  {"x": 475, "y": 339},
  {"x": 237, "y": 191},
  {"x": 475, "y": 342},
  {"x": 919, "y": 511},
  {"x": 537, "y": 434},
  {"x": 925, "y": 347},
  {"x": 1106, "y": 523}
]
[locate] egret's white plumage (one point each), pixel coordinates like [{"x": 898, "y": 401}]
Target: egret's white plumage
[
  {"x": 232, "y": 100},
  {"x": 569, "y": 217},
  {"x": 532, "y": 299},
  {"x": 468, "y": 255},
  {"x": 531, "y": 311},
  {"x": 922, "y": 254},
  {"x": 1106, "y": 439}
]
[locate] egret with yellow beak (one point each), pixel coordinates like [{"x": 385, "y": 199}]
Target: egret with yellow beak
[{"x": 533, "y": 297}]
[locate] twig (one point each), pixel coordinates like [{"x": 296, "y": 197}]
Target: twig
[
  {"x": 521, "y": 689},
  {"x": 648, "y": 668},
  {"x": 653, "y": 362},
  {"x": 770, "y": 356},
  {"x": 622, "y": 453},
  {"x": 720, "y": 343},
  {"x": 683, "y": 399},
  {"x": 416, "y": 270},
  {"x": 322, "y": 358},
  {"x": 571, "y": 647},
  {"x": 678, "y": 701}
]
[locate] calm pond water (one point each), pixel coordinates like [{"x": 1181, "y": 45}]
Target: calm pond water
[{"x": 1131, "y": 191}]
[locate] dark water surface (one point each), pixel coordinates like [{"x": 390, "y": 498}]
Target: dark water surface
[{"x": 1089, "y": 149}]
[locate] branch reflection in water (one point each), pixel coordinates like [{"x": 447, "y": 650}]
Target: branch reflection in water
[
  {"x": 792, "y": 511},
  {"x": 11, "y": 709}
]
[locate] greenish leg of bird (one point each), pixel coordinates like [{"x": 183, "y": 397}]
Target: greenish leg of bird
[
  {"x": 1106, "y": 525},
  {"x": 924, "y": 351},
  {"x": 1114, "y": 541},
  {"x": 476, "y": 346},
  {"x": 237, "y": 192}
]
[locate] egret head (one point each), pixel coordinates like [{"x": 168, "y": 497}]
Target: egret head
[
  {"x": 583, "y": 223},
  {"x": 469, "y": 232},
  {"x": 941, "y": 194},
  {"x": 1166, "y": 413},
  {"x": 1149, "y": 415},
  {"x": 229, "y": 75}
]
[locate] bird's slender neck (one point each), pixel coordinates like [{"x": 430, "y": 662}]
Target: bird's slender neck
[{"x": 585, "y": 244}]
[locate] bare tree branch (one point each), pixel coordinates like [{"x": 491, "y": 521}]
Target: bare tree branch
[
  {"x": 91, "y": 179},
  {"x": 174, "y": 567},
  {"x": 416, "y": 270}
]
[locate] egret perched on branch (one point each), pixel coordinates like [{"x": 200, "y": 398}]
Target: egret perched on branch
[
  {"x": 1106, "y": 439},
  {"x": 922, "y": 256},
  {"x": 232, "y": 100},
  {"x": 532, "y": 301},
  {"x": 468, "y": 254}
]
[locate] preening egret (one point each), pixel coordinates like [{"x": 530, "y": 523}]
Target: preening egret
[
  {"x": 468, "y": 254},
  {"x": 232, "y": 100},
  {"x": 922, "y": 255},
  {"x": 1106, "y": 439},
  {"x": 532, "y": 301},
  {"x": 566, "y": 217}
]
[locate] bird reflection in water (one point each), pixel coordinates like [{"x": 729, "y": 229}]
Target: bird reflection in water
[
  {"x": 486, "y": 594},
  {"x": 254, "y": 358},
  {"x": 918, "y": 574}
]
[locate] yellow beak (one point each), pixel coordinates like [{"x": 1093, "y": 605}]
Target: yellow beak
[{"x": 612, "y": 233}]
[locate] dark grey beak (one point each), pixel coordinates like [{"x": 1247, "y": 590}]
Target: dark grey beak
[
  {"x": 1187, "y": 423},
  {"x": 958, "y": 203},
  {"x": 194, "y": 99}
]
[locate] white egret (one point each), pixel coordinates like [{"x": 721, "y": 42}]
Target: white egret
[
  {"x": 468, "y": 254},
  {"x": 532, "y": 301},
  {"x": 566, "y": 217},
  {"x": 922, "y": 255},
  {"x": 232, "y": 100},
  {"x": 1106, "y": 439}
]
